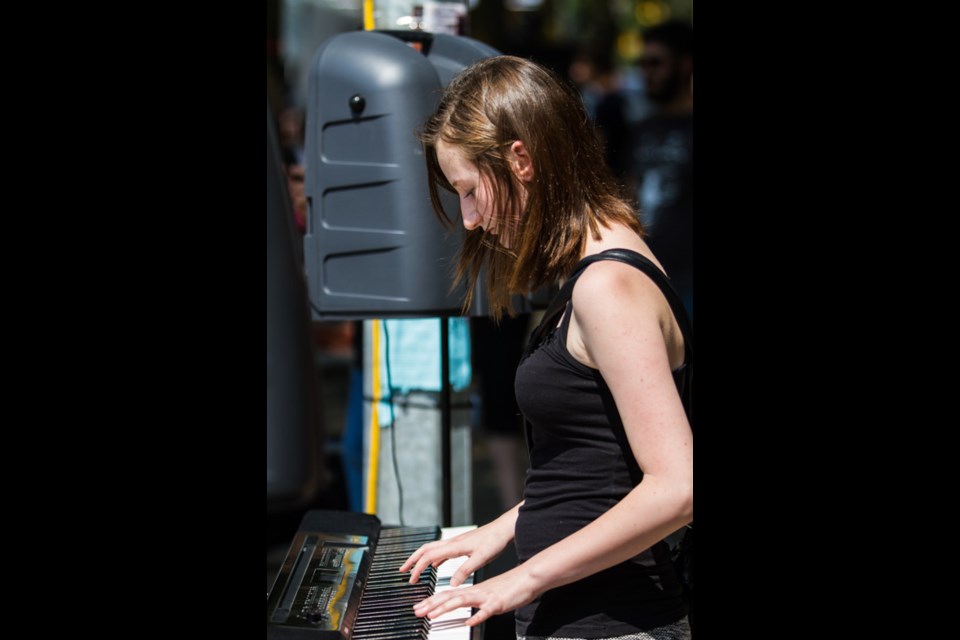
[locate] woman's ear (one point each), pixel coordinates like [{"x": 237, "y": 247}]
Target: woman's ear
[{"x": 520, "y": 161}]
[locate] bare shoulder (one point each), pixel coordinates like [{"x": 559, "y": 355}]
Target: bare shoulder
[
  {"x": 617, "y": 302},
  {"x": 610, "y": 283}
]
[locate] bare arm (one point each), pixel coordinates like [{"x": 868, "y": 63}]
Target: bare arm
[
  {"x": 620, "y": 318},
  {"x": 619, "y": 324}
]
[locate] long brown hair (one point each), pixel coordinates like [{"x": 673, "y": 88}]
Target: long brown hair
[{"x": 484, "y": 109}]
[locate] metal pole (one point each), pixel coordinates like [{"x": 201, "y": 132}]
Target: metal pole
[{"x": 446, "y": 424}]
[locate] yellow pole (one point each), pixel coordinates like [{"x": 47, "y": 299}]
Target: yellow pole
[
  {"x": 373, "y": 462},
  {"x": 368, "y": 15}
]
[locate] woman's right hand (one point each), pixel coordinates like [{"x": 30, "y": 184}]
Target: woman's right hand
[{"x": 479, "y": 545}]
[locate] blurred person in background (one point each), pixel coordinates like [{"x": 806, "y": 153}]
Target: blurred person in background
[
  {"x": 663, "y": 151},
  {"x": 291, "y": 129},
  {"x": 497, "y": 348},
  {"x": 595, "y": 75}
]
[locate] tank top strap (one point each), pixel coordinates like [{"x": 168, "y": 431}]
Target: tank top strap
[{"x": 565, "y": 323}]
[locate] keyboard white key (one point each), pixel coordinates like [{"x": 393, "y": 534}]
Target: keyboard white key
[{"x": 450, "y": 625}]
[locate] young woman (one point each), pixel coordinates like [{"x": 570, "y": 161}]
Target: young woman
[{"x": 513, "y": 141}]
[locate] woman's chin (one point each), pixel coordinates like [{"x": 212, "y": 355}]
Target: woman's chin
[{"x": 493, "y": 237}]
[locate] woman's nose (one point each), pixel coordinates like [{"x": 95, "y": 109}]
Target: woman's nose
[{"x": 470, "y": 218}]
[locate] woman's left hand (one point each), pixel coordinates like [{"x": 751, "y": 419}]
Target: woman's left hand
[{"x": 497, "y": 595}]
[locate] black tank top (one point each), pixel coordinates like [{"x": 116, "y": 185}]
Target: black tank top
[{"x": 580, "y": 466}]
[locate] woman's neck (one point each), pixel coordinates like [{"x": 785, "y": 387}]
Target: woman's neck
[{"x": 612, "y": 237}]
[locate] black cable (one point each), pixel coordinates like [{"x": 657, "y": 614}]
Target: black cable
[{"x": 393, "y": 426}]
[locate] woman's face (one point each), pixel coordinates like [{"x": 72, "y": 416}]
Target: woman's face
[{"x": 476, "y": 198}]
